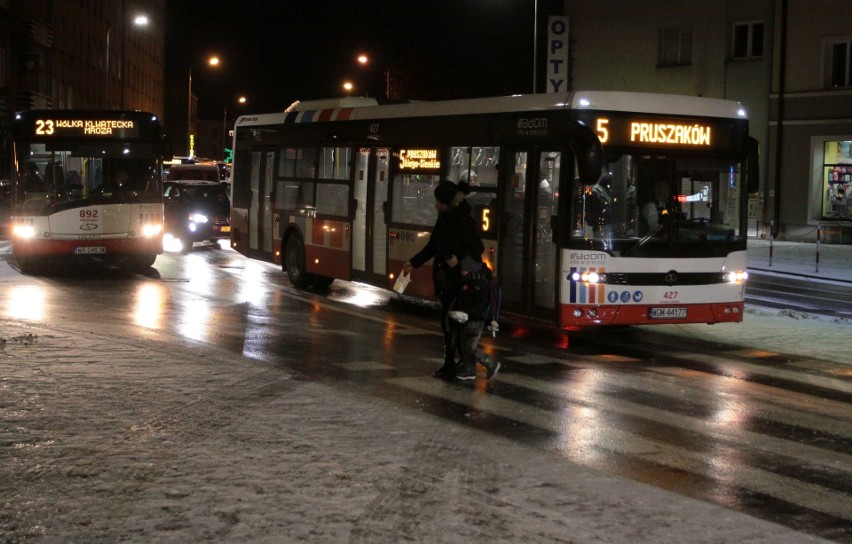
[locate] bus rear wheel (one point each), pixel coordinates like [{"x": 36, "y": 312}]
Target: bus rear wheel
[{"x": 294, "y": 262}]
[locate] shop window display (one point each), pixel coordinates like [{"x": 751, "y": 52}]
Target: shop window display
[{"x": 837, "y": 180}]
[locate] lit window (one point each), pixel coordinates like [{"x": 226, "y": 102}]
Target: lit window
[{"x": 675, "y": 47}]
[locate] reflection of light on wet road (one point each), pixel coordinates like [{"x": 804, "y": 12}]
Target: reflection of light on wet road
[
  {"x": 194, "y": 323},
  {"x": 253, "y": 287},
  {"x": 26, "y": 302},
  {"x": 581, "y": 429},
  {"x": 362, "y": 295},
  {"x": 148, "y": 312}
]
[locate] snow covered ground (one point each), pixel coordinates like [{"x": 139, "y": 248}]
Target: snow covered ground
[{"x": 107, "y": 439}]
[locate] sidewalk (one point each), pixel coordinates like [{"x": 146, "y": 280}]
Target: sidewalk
[{"x": 829, "y": 262}]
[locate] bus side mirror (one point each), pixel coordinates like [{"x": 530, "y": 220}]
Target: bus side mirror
[
  {"x": 590, "y": 157},
  {"x": 753, "y": 166}
]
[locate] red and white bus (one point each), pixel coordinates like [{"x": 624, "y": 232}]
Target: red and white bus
[
  {"x": 87, "y": 185},
  {"x": 562, "y": 184}
]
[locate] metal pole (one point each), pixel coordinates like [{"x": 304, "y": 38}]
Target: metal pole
[
  {"x": 189, "y": 115},
  {"x": 535, "y": 43},
  {"x": 819, "y": 227},
  {"x": 106, "y": 87},
  {"x": 224, "y": 130},
  {"x": 123, "y": 45}
]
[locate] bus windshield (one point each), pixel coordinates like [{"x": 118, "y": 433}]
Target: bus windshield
[
  {"x": 661, "y": 206},
  {"x": 66, "y": 172}
]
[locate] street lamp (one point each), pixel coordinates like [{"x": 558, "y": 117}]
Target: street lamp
[
  {"x": 212, "y": 61},
  {"x": 139, "y": 20}
]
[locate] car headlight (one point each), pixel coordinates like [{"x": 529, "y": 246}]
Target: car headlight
[{"x": 197, "y": 218}]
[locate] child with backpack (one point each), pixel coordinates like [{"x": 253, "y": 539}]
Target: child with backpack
[{"x": 475, "y": 300}]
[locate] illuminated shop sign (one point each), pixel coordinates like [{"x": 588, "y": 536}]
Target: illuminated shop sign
[
  {"x": 418, "y": 159},
  {"x": 95, "y": 128},
  {"x": 626, "y": 131}
]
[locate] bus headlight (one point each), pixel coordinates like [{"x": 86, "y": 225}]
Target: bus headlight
[
  {"x": 151, "y": 230},
  {"x": 735, "y": 276},
  {"x": 589, "y": 277},
  {"x": 24, "y": 231}
]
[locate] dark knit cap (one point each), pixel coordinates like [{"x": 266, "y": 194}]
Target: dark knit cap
[{"x": 445, "y": 192}]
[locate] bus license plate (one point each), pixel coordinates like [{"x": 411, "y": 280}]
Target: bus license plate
[
  {"x": 225, "y": 228},
  {"x": 667, "y": 313},
  {"x": 89, "y": 250}
]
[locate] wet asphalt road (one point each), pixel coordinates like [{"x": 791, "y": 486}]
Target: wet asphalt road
[{"x": 764, "y": 433}]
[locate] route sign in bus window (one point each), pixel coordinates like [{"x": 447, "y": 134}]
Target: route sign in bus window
[{"x": 419, "y": 159}]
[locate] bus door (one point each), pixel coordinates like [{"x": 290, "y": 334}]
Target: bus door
[
  {"x": 528, "y": 251},
  {"x": 369, "y": 237},
  {"x": 260, "y": 212}
]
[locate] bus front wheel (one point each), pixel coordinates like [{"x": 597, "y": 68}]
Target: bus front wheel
[{"x": 294, "y": 262}]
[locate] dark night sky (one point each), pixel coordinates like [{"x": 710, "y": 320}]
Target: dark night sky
[{"x": 278, "y": 51}]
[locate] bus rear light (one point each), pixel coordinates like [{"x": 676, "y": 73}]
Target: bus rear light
[{"x": 578, "y": 313}]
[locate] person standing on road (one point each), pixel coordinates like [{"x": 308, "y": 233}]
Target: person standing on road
[
  {"x": 474, "y": 298},
  {"x": 454, "y": 235}
]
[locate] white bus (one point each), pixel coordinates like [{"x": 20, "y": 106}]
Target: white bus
[
  {"x": 87, "y": 185},
  {"x": 562, "y": 189}
]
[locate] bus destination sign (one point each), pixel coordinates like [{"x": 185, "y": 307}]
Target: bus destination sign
[
  {"x": 627, "y": 131},
  {"x": 95, "y": 128},
  {"x": 419, "y": 159}
]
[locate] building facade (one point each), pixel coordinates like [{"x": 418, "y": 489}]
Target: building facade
[
  {"x": 81, "y": 54},
  {"x": 786, "y": 61}
]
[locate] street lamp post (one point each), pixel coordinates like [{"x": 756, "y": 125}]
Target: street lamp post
[
  {"x": 240, "y": 100},
  {"x": 364, "y": 60},
  {"x": 139, "y": 20},
  {"x": 212, "y": 61}
]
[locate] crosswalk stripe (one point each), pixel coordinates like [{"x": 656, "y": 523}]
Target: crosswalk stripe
[
  {"x": 765, "y": 370},
  {"x": 720, "y": 428},
  {"x": 718, "y": 391},
  {"x": 582, "y": 436}
]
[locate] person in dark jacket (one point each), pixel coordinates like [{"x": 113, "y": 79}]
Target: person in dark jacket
[
  {"x": 474, "y": 297},
  {"x": 454, "y": 235}
]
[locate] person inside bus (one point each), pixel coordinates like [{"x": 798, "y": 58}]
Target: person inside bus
[
  {"x": 33, "y": 182},
  {"x": 656, "y": 210},
  {"x": 454, "y": 234}
]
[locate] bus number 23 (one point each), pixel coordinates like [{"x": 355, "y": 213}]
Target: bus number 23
[{"x": 43, "y": 128}]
